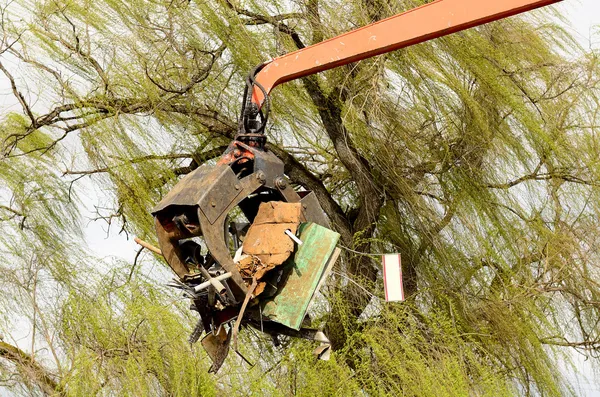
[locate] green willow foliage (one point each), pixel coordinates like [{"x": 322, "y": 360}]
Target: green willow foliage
[{"x": 476, "y": 156}]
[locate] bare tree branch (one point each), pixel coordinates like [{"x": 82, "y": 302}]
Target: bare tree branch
[
  {"x": 9, "y": 209},
  {"x": 76, "y": 48},
  {"x": 259, "y": 19},
  {"x": 30, "y": 369},
  {"x": 196, "y": 78},
  {"x": 562, "y": 341},
  {"x": 99, "y": 108},
  {"x": 18, "y": 95},
  {"x": 543, "y": 177}
]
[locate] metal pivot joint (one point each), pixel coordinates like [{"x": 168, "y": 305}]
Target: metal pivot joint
[{"x": 253, "y": 118}]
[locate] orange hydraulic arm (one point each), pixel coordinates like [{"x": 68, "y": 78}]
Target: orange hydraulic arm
[{"x": 430, "y": 21}]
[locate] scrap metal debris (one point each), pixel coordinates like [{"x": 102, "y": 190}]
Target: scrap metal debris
[
  {"x": 266, "y": 257},
  {"x": 266, "y": 244},
  {"x": 216, "y": 345},
  {"x": 266, "y": 238}
]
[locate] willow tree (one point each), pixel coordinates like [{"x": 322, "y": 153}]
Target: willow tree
[{"x": 475, "y": 156}]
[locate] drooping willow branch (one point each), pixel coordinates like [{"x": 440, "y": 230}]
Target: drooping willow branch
[{"x": 30, "y": 369}]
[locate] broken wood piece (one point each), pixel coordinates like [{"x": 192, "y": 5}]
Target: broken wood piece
[
  {"x": 148, "y": 246},
  {"x": 236, "y": 327},
  {"x": 260, "y": 288},
  {"x": 266, "y": 237},
  {"x": 247, "y": 266}
]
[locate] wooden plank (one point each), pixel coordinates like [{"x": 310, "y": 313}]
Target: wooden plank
[{"x": 302, "y": 276}]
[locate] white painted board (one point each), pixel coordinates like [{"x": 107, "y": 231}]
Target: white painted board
[{"x": 392, "y": 278}]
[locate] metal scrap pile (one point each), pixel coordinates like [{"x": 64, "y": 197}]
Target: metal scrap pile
[{"x": 280, "y": 281}]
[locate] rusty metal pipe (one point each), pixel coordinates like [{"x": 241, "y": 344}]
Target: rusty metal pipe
[{"x": 214, "y": 281}]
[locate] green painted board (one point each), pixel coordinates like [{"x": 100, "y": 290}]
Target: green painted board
[{"x": 304, "y": 270}]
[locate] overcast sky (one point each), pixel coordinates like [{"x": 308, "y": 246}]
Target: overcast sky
[{"x": 583, "y": 15}]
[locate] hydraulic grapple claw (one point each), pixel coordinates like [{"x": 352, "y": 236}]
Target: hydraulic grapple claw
[{"x": 198, "y": 206}]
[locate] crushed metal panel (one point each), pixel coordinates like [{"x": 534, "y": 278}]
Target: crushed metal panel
[
  {"x": 266, "y": 237},
  {"x": 313, "y": 211},
  {"x": 223, "y": 189},
  {"x": 216, "y": 346},
  {"x": 193, "y": 187},
  {"x": 304, "y": 272}
]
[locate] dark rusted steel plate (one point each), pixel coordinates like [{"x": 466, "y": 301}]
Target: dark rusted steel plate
[
  {"x": 211, "y": 187},
  {"x": 312, "y": 210},
  {"x": 303, "y": 271},
  {"x": 217, "y": 347}
]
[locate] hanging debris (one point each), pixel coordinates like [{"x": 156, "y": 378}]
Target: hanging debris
[
  {"x": 279, "y": 276},
  {"x": 266, "y": 245}
]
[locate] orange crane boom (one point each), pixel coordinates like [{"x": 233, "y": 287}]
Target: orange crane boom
[{"x": 430, "y": 21}]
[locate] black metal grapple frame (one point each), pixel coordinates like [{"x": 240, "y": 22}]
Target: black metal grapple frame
[{"x": 199, "y": 205}]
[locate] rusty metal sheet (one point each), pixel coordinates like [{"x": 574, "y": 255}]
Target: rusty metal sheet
[
  {"x": 266, "y": 237},
  {"x": 224, "y": 187},
  {"x": 312, "y": 210},
  {"x": 217, "y": 347},
  {"x": 270, "y": 165},
  {"x": 190, "y": 190},
  {"x": 304, "y": 271}
]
